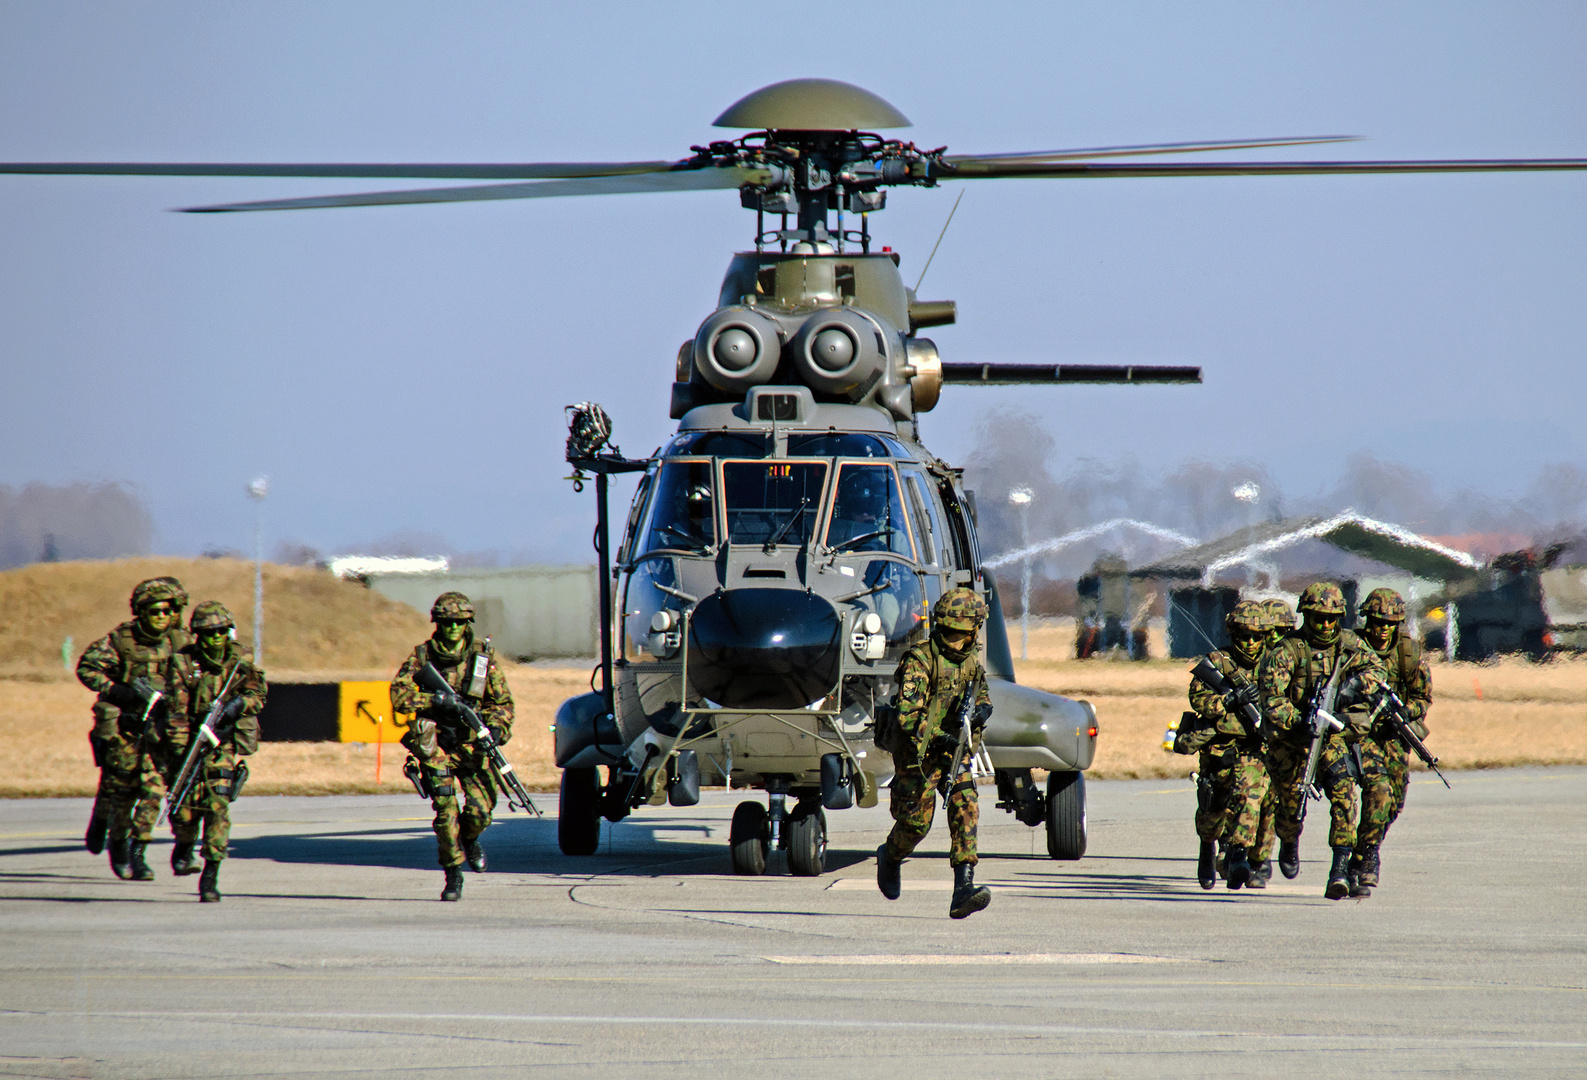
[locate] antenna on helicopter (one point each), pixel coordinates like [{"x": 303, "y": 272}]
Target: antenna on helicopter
[{"x": 938, "y": 244}]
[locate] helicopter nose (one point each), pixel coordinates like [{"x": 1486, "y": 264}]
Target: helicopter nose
[{"x": 764, "y": 648}]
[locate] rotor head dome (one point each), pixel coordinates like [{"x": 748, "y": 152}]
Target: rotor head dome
[{"x": 811, "y": 105}]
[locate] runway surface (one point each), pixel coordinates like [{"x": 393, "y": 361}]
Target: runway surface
[{"x": 331, "y": 956}]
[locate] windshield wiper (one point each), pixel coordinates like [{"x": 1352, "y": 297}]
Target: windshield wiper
[
  {"x": 834, "y": 549},
  {"x": 688, "y": 537},
  {"x": 798, "y": 513}
]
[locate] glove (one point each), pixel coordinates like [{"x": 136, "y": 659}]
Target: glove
[
  {"x": 134, "y": 695},
  {"x": 1241, "y": 696},
  {"x": 230, "y": 713},
  {"x": 449, "y": 707},
  {"x": 978, "y": 719},
  {"x": 496, "y": 735}
]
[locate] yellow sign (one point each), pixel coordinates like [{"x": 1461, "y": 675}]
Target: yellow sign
[{"x": 365, "y": 714}]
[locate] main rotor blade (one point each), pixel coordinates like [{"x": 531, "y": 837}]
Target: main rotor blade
[
  {"x": 689, "y": 180},
  {"x": 1150, "y": 148},
  {"x": 1061, "y": 170},
  {"x": 548, "y": 170},
  {"x": 1048, "y": 374}
]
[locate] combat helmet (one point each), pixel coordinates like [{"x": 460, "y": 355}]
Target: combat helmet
[
  {"x": 959, "y": 609},
  {"x": 1280, "y": 616},
  {"x": 1384, "y": 605},
  {"x": 160, "y": 590},
  {"x": 211, "y": 615},
  {"x": 1248, "y": 615},
  {"x": 452, "y": 605},
  {"x": 1323, "y": 597}
]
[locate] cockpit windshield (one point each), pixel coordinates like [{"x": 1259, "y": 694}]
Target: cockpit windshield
[
  {"x": 868, "y": 512},
  {"x": 684, "y": 514},
  {"x": 772, "y": 502}
]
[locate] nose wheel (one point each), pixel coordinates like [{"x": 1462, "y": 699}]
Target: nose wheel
[{"x": 749, "y": 838}]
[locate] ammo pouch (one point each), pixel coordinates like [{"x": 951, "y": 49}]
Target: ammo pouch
[
  {"x": 439, "y": 782},
  {"x": 887, "y": 733}
]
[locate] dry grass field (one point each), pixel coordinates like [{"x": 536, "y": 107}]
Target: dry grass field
[{"x": 318, "y": 630}]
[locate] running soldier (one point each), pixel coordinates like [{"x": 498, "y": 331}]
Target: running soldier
[
  {"x": 199, "y": 672},
  {"x": 1385, "y": 759},
  {"x": 127, "y": 669},
  {"x": 1232, "y": 784},
  {"x": 1295, "y": 676},
  {"x": 453, "y": 771},
  {"x": 933, "y": 677}
]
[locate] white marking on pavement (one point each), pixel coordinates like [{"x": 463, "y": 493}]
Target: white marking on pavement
[{"x": 876, "y": 959}]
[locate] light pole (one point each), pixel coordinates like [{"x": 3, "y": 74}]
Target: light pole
[
  {"x": 1021, "y": 497},
  {"x": 258, "y": 488}
]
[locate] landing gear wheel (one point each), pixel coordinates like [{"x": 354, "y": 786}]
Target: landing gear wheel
[
  {"x": 749, "y": 838},
  {"x": 807, "y": 840},
  {"x": 579, "y": 813},
  {"x": 1066, "y": 815}
]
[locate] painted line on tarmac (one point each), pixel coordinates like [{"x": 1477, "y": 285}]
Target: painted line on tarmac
[
  {"x": 878, "y": 959},
  {"x": 969, "y": 1027}
]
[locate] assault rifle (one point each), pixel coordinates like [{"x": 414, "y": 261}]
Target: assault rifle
[
  {"x": 968, "y": 715},
  {"x": 201, "y": 747},
  {"x": 1235, "y": 689},
  {"x": 431, "y": 682},
  {"x": 1320, "y": 721},
  {"x": 1389, "y": 705}
]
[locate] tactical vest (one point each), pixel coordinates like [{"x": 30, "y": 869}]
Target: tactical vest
[
  {"x": 1308, "y": 668},
  {"x": 141, "y": 660},
  {"x": 203, "y": 685},
  {"x": 469, "y": 676},
  {"x": 945, "y": 692}
]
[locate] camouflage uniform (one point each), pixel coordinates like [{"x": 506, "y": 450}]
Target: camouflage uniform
[
  {"x": 1290, "y": 674},
  {"x": 1385, "y": 760},
  {"x": 130, "y": 768},
  {"x": 457, "y": 774},
  {"x": 1233, "y": 789},
  {"x": 195, "y": 682},
  {"x": 931, "y": 681}
]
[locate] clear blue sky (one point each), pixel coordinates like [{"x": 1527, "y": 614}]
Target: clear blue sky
[{"x": 405, "y": 368}]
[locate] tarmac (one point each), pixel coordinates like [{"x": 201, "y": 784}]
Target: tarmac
[{"x": 331, "y": 955}]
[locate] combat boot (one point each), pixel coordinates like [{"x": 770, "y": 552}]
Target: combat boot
[
  {"x": 121, "y": 858},
  {"x": 475, "y": 855},
  {"x": 1339, "y": 875},
  {"x": 1289, "y": 857},
  {"x": 1239, "y": 866},
  {"x": 968, "y": 897},
  {"x": 140, "y": 865},
  {"x": 1366, "y": 873},
  {"x": 182, "y": 861},
  {"x": 94, "y": 838},
  {"x": 209, "y": 883},
  {"x": 454, "y": 884},
  {"x": 1261, "y": 874},
  {"x": 1206, "y": 874},
  {"x": 887, "y": 877}
]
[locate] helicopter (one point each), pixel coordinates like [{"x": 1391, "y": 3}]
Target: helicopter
[{"x": 786, "y": 545}]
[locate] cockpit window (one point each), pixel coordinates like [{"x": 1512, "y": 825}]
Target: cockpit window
[
  {"x": 684, "y": 514},
  {"x": 772, "y": 502},
  {"x": 868, "y": 512},
  {"x": 720, "y": 444},
  {"x": 836, "y": 444}
]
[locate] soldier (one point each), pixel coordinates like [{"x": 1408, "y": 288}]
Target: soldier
[
  {"x": 1385, "y": 760},
  {"x": 1293, "y": 677},
  {"x": 932, "y": 678},
  {"x": 127, "y": 669},
  {"x": 1281, "y": 619},
  {"x": 199, "y": 672},
  {"x": 452, "y": 769},
  {"x": 1232, "y": 777}
]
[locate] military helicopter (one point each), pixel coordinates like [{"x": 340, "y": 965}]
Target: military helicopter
[{"x": 786, "y": 545}]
